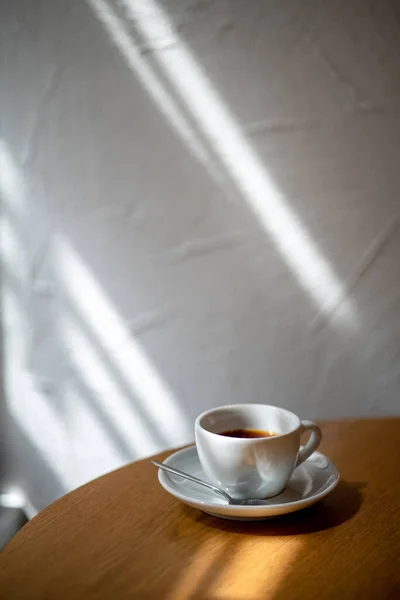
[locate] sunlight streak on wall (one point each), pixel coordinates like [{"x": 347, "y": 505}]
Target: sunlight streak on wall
[
  {"x": 219, "y": 127},
  {"x": 12, "y": 498},
  {"x": 94, "y": 374},
  {"x": 156, "y": 399},
  {"x": 46, "y": 429},
  {"x": 146, "y": 420},
  {"x": 150, "y": 81},
  {"x": 33, "y": 412},
  {"x": 90, "y": 441},
  {"x": 11, "y": 184},
  {"x": 16, "y": 332}
]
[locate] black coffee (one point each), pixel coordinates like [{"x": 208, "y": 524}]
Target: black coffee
[{"x": 248, "y": 433}]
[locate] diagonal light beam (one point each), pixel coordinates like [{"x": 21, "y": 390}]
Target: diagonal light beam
[
  {"x": 301, "y": 254},
  {"x": 164, "y": 101},
  {"x": 157, "y": 400}
]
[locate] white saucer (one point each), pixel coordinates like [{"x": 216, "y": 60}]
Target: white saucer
[{"x": 310, "y": 482}]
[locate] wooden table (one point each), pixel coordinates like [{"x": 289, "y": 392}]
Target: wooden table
[{"x": 122, "y": 536}]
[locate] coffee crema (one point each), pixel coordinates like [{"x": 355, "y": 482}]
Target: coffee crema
[{"x": 247, "y": 433}]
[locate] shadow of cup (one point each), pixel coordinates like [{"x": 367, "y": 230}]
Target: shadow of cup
[{"x": 337, "y": 508}]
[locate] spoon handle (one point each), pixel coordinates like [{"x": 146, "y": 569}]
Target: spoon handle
[{"x": 169, "y": 469}]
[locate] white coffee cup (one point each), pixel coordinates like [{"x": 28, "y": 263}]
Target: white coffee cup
[{"x": 252, "y": 467}]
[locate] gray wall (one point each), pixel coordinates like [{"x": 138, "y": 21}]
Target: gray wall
[{"x": 200, "y": 207}]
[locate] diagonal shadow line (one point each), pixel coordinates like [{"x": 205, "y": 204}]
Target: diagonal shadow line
[
  {"x": 86, "y": 392},
  {"x": 8, "y": 277},
  {"x": 225, "y": 180},
  {"x": 152, "y": 426},
  {"x": 4, "y": 416},
  {"x": 87, "y": 395},
  {"x": 10, "y": 281},
  {"x": 212, "y": 164},
  {"x": 148, "y": 56},
  {"x": 118, "y": 378},
  {"x": 34, "y": 472},
  {"x": 313, "y": 271},
  {"x": 168, "y": 104}
]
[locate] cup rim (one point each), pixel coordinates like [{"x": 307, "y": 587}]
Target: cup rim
[{"x": 241, "y": 405}]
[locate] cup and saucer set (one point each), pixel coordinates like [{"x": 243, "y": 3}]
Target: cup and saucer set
[{"x": 253, "y": 454}]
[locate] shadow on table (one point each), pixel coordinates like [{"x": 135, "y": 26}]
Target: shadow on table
[{"x": 340, "y": 506}]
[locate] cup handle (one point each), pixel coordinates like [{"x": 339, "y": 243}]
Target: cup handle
[{"x": 313, "y": 442}]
